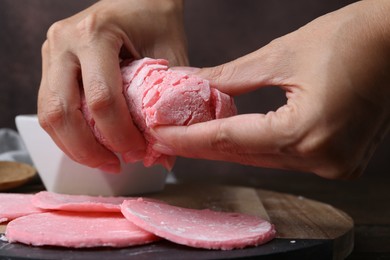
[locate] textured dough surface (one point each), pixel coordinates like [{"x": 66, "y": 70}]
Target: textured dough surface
[
  {"x": 157, "y": 95},
  {"x": 14, "y": 205},
  {"x": 84, "y": 203},
  {"x": 77, "y": 229},
  {"x": 199, "y": 228},
  {"x": 56, "y": 201}
]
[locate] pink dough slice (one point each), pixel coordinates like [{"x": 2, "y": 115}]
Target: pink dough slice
[
  {"x": 199, "y": 228},
  {"x": 78, "y": 230},
  {"x": 56, "y": 201},
  {"x": 14, "y": 205},
  {"x": 83, "y": 203}
]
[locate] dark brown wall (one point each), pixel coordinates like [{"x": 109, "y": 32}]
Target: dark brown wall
[
  {"x": 218, "y": 31},
  {"x": 23, "y": 26}
]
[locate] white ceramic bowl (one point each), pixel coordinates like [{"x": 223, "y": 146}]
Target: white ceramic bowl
[{"x": 61, "y": 174}]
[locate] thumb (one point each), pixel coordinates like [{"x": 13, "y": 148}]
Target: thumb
[{"x": 251, "y": 139}]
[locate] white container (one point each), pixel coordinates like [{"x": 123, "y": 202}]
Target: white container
[{"x": 61, "y": 174}]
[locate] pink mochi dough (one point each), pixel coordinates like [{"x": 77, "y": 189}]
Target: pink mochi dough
[{"x": 157, "y": 95}]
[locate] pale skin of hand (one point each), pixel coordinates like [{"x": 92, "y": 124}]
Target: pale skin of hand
[
  {"x": 84, "y": 51},
  {"x": 336, "y": 75}
]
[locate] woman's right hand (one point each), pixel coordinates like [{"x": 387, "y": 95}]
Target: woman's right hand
[{"x": 335, "y": 72}]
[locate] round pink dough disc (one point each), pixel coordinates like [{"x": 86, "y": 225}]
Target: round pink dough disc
[
  {"x": 14, "y": 205},
  {"x": 199, "y": 228},
  {"x": 77, "y": 229},
  {"x": 56, "y": 201}
]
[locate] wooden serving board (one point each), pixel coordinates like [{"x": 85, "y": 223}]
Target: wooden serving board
[{"x": 306, "y": 229}]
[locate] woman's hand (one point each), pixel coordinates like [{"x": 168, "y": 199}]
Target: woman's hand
[
  {"x": 336, "y": 74},
  {"x": 82, "y": 53}
]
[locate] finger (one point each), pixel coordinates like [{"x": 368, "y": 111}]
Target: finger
[
  {"x": 103, "y": 89},
  {"x": 42, "y": 94},
  {"x": 264, "y": 67},
  {"x": 60, "y": 115},
  {"x": 213, "y": 139}
]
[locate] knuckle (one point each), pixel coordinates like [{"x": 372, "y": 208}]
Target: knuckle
[
  {"x": 223, "y": 141},
  {"x": 96, "y": 29},
  {"x": 101, "y": 98},
  {"x": 43, "y": 122},
  {"x": 216, "y": 72},
  {"x": 57, "y": 37},
  {"x": 52, "y": 113},
  {"x": 85, "y": 157},
  {"x": 225, "y": 145},
  {"x": 56, "y": 31},
  {"x": 93, "y": 23},
  {"x": 223, "y": 73},
  {"x": 88, "y": 25}
]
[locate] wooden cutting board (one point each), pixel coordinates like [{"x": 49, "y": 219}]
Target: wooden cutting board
[
  {"x": 294, "y": 217},
  {"x": 306, "y": 229}
]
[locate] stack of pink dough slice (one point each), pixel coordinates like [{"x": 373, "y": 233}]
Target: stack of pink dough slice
[
  {"x": 77, "y": 229},
  {"x": 53, "y": 201},
  {"x": 139, "y": 221},
  {"x": 157, "y": 95},
  {"x": 14, "y": 205},
  {"x": 51, "y": 219},
  {"x": 45, "y": 200}
]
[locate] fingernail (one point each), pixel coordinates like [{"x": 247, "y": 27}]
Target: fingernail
[
  {"x": 187, "y": 70},
  {"x": 133, "y": 156},
  {"x": 164, "y": 149},
  {"x": 110, "y": 167}
]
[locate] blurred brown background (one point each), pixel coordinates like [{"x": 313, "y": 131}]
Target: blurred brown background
[{"x": 218, "y": 31}]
